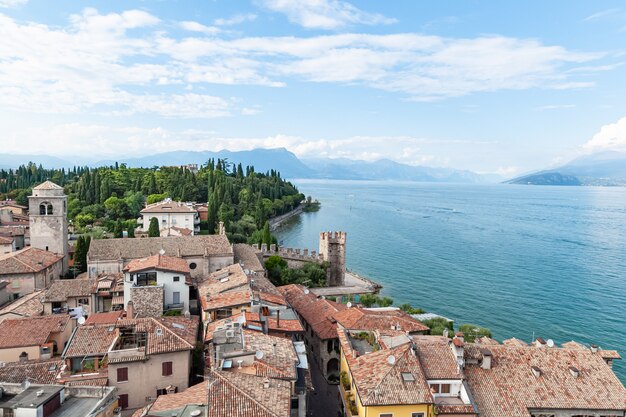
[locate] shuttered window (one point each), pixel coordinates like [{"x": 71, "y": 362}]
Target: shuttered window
[
  {"x": 167, "y": 368},
  {"x": 122, "y": 374}
]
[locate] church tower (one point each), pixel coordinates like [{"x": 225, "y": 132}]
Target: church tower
[{"x": 47, "y": 209}]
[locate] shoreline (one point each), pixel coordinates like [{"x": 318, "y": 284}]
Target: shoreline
[{"x": 275, "y": 222}]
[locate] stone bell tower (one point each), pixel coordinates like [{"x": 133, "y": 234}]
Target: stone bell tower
[
  {"x": 47, "y": 210},
  {"x": 333, "y": 251}
]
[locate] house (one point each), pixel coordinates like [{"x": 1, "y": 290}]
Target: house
[
  {"x": 33, "y": 337},
  {"x": 175, "y": 231},
  {"x": 225, "y": 293},
  {"x": 13, "y": 207},
  {"x": 57, "y": 400},
  {"x": 539, "y": 380},
  {"x": 203, "y": 254},
  {"x": 7, "y": 244},
  {"x": 151, "y": 357},
  {"x": 156, "y": 284},
  {"x": 5, "y": 296},
  {"x": 171, "y": 214},
  {"x": 225, "y": 394},
  {"x": 45, "y": 371},
  {"x": 108, "y": 293},
  {"x": 19, "y": 234},
  {"x": 249, "y": 257},
  {"x": 30, "y": 269},
  {"x": 26, "y": 306},
  {"x": 65, "y": 295}
]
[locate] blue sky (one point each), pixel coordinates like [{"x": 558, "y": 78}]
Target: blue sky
[{"x": 488, "y": 86}]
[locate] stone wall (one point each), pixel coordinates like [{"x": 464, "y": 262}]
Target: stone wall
[
  {"x": 333, "y": 250},
  {"x": 147, "y": 301}
]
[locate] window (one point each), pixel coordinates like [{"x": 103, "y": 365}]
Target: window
[
  {"x": 49, "y": 209},
  {"x": 445, "y": 388},
  {"x": 122, "y": 375},
  {"x": 434, "y": 388},
  {"x": 146, "y": 279},
  {"x": 417, "y": 414},
  {"x": 123, "y": 401},
  {"x": 176, "y": 297},
  {"x": 224, "y": 313},
  {"x": 176, "y": 279},
  {"x": 193, "y": 265},
  {"x": 42, "y": 209},
  {"x": 386, "y": 415},
  {"x": 166, "y": 368},
  {"x": 83, "y": 301}
]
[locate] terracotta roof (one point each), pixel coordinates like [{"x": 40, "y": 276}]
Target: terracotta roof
[
  {"x": 289, "y": 326},
  {"x": 317, "y": 312},
  {"x": 177, "y": 246},
  {"x": 91, "y": 340},
  {"x": 62, "y": 289},
  {"x": 159, "y": 262},
  {"x": 226, "y": 279},
  {"x": 514, "y": 342},
  {"x": 6, "y": 240},
  {"x": 379, "y": 380},
  {"x": 227, "y": 299},
  {"x": 182, "y": 231},
  {"x": 168, "y": 207},
  {"x": 232, "y": 394},
  {"x": 27, "y": 306},
  {"x": 36, "y": 371},
  {"x": 247, "y": 255},
  {"x": 277, "y": 299},
  {"x": 31, "y": 331},
  {"x": 48, "y": 185},
  {"x": 279, "y": 359},
  {"x": 103, "y": 318},
  {"x": 436, "y": 357},
  {"x": 373, "y": 319},
  {"x": 27, "y": 261},
  {"x": 12, "y": 203},
  {"x": 511, "y": 388},
  {"x": 213, "y": 325}
]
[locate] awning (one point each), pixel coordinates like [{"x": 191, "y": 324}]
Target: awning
[{"x": 119, "y": 299}]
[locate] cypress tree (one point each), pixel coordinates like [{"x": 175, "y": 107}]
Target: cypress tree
[{"x": 153, "y": 230}]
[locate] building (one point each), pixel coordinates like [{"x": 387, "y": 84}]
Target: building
[
  {"x": 45, "y": 371},
  {"x": 7, "y": 244},
  {"x": 538, "y": 380},
  {"x": 48, "y": 220},
  {"x": 151, "y": 357},
  {"x": 65, "y": 295},
  {"x": 57, "y": 401},
  {"x": 225, "y": 293},
  {"x": 171, "y": 214},
  {"x": 27, "y": 306},
  {"x": 19, "y": 234},
  {"x": 108, "y": 293},
  {"x": 5, "y": 296},
  {"x": 34, "y": 337},
  {"x": 203, "y": 254},
  {"x": 332, "y": 247},
  {"x": 13, "y": 207},
  {"x": 249, "y": 258},
  {"x": 30, "y": 269},
  {"x": 156, "y": 284}
]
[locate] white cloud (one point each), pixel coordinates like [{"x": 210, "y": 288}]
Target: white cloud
[
  {"x": 10, "y": 4},
  {"x": 235, "y": 20},
  {"x": 199, "y": 27},
  {"x": 324, "y": 14},
  {"x": 601, "y": 14},
  {"x": 611, "y": 137},
  {"x": 555, "y": 107}
]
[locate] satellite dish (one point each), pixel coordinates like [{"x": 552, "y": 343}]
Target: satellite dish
[
  {"x": 81, "y": 320},
  {"x": 306, "y": 291},
  {"x": 241, "y": 319},
  {"x": 550, "y": 343},
  {"x": 349, "y": 304},
  {"x": 24, "y": 385},
  {"x": 259, "y": 354},
  {"x": 391, "y": 360},
  {"x": 162, "y": 251},
  {"x": 187, "y": 314}
]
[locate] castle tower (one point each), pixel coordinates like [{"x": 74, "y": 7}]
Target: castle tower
[
  {"x": 48, "y": 219},
  {"x": 333, "y": 251}
]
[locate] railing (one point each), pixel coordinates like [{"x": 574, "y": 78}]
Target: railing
[
  {"x": 349, "y": 405},
  {"x": 121, "y": 354},
  {"x": 175, "y": 306}
]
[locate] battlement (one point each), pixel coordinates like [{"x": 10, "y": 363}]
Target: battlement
[
  {"x": 291, "y": 253},
  {"x": 333, "y": 237}
]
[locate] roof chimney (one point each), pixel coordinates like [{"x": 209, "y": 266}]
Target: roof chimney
[
  {"x": 594, "y": 348},
  {"x": 486, "y": 363},
  {"x": 130, "y": 310},
  {"x": 277, "y": 318},
  {"x": 536, "y": 371},
  {"x": 574, "y": 371},
  {"x": 23, "y": 357},
  {"x": 266, "y": 383}
]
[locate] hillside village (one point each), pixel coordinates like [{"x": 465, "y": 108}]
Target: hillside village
[{"x": 185, "y": 324}]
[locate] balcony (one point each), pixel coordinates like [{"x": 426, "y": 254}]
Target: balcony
[
  {"x": 348, "y": 401},
  {"x": 123, "y": 355},
  {"x": 175, "y": 306}
]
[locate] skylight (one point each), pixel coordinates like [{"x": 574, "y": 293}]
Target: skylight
[{"x": 408, "y": 377}]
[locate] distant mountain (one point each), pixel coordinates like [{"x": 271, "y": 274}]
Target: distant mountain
[
  {"x": 604, "y": 169},
  {"x": 8, "y": 161}
]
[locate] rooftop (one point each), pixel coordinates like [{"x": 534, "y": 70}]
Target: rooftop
[
  {"x": 47, "y": 185},
  {"x": 175, "y": 246},
  {"x": 158, "y": 262},
  {"x": 37, "y": 371},
  {"x": 226, "y": 279},
  {"x": 27, "y": 260},
  {"x": 248, "y": 256},
  {"x": 169, "y": 206},
  {"x": 62, "y": 289},
  {"x": 227, "y": 299},
  {"x": 91, "y": 340},
  {"x": 27, "y": 306},
  {"x": 378, "y": 319},
  {"x": 31, "y": 331}
]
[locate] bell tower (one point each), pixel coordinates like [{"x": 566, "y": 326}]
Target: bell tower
[{"x": 47, "y": 209}]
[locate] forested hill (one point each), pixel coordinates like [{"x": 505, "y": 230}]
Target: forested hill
[{"x": 108, "y": 199}]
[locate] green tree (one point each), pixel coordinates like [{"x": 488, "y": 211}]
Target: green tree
[
  {"x": 438, "y": 325},
  {"x": 384, "y": 301},
  {"x": 153, "y": 229},
  {"x": 267, "y": 236},
  {"x": 368, "y": 300},
  {"x": 472, "y": 332},
  {"x": 275, "y": 265}
]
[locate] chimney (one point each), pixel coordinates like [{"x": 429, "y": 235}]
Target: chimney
[
  {"x": 23, "y": 357},
  {"x": 266, "y": 383},
  {"x": 594, "y": 348},
  {"x": 460, "y": 336},
  {"x": 277, "y": 318},
  {"x": 130, "y": 310},
  {"x": 486, "y": 363},
  {"x": 445, "y": 332},
  {"x": 536, "y": 371},
  {"x": 574, "y": 371}
]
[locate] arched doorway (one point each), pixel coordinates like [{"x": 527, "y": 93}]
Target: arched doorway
[{"x": 332, "y": 369}]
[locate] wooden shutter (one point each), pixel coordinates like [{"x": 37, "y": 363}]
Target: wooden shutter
[{"x": 122, "y": 374}]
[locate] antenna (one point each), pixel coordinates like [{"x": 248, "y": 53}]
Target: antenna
[
  {"x": 391, "y": 360},
  {"x": 259, "y": 354},
  {"x": 81, "y": 320},
  {"x": 550, "y": 343}
]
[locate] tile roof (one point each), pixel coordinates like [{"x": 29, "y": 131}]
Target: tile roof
[
  {"x": 103, "y": 318},
  {"x": 6, "y": 240},
  {"x": 12, "y": 203},
  {"x": 159, "y": 262},
  {"x": 30, "y": 331},
  {"x": 27, "y": 306},
  {"x": 227, "y": 299},
  {"x": 62, "y": 289},
  {"x": 436, "y": 357},
  {"x": 510, "y": 388},
  {"x": 277, "y": 299},
  {"x": 373, "y": 319},
  {"x": 36, "y": 371},
  {"x": 226, "y": 279},
  {"x": 279, "y": 359},
  {"x": 514, "y": 342},
  {"x": 177, "y": 246},
  {"x": 274, "y": 325},
  {"x": 378, "y": 379},
  {"x": 248, "y": 255},
  {"x": 317, "y": 312},
  {"x": 48, "y": 185},
  {"x": 27, "y": 260},
  {"x": 91, "y": 340},
  {"x": 168, "y": 207},
  {"x": 232, "y": 394}
]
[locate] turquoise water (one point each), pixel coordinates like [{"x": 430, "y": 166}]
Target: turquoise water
[{"x": 520, "y": 260}]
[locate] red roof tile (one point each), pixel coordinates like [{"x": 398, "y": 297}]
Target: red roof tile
[{"x": 159, "y": 262}]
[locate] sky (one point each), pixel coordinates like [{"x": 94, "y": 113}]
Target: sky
[{"x": 489, "y": 86}]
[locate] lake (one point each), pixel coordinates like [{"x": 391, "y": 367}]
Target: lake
[{"x": 520, "y": 260}]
